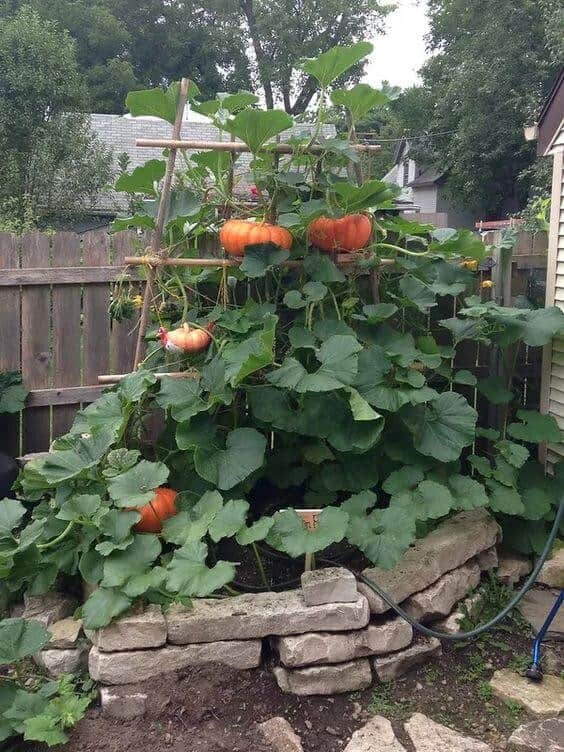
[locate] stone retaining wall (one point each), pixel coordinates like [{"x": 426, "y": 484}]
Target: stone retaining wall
[{"x": 329, "y": 636}]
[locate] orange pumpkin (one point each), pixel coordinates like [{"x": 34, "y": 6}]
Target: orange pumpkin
[
  {"x": 237, "y": 234},
  {"x": 186, "y": 338},
  {"x": 349, "y": 233},
  {"x": 159, "y": 509}
]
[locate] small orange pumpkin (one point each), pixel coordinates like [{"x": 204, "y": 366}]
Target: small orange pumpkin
[
  {"x": 349, "y": 233},
  {"x": 236, "y": 234},
  {"x": 186, "y": 338},
  {"x": 159, "y": 509}
]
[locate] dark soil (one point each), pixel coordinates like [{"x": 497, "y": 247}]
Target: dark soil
[{"x": 215, "y": 709}]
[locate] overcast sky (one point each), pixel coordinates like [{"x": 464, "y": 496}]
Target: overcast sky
[{"x": 400, "y": 51}]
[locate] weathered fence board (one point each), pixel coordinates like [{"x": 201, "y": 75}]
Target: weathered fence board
[{"x": 55, "y": 327}]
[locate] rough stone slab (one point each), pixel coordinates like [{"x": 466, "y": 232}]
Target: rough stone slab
[
  {"x": 449, "y": 546},
  {"x": 65, "y": 633},
  {"x": 121, "y": 703},
  {"x": 536, "y": 606},
  {"x": 134, "y": 666},
  {"x": 451, "y": 625},
  {"x": 258, "y": 615},
  {"x": 391, "y": 666},
  {"x": 541, "y": 698},
  {"x": 331, "y": 585},
  {"x": 376, "y": 736},
  {"x": 429, "y": 736},
  {"x": 48, "y": 608},
  {"x": 325, "y": 680},
  {"x": 539, "y": 736},
  {"x": 488, "y": 559},
  {"x": 316, "y": 648},
  {"x": 513, "y": 567},
  {"x": 280, "y": 735},
  {"x": 132, "y": 632},
  {"x": 438, "y": 599},
  {"x": 59, "y": 662},
  {"x": 552, "y": 572}
]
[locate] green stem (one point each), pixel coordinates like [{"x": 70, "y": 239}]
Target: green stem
[
  {"x": 332, "y": 294},
  {"x": 58, "y": 539},
  {"x": 231, "y": 590},
  {"x": 260, "y": 565},
  {"x": 391, "y": 247}
]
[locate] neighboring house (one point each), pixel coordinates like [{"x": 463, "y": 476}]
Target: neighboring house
[
  {"x": 549, "y": 132},
  {"x": 423, "y": 191},
  {"x": 120, "y": 132}
]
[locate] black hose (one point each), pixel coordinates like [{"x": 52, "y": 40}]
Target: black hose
[{"x": 496, "y": 619}]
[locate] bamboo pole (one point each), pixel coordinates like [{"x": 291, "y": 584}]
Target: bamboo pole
[
  {"x": 161, "y": 217},
  {"x": 114, "y": 378},
  {"x": 343, "y": 259},
  {"x": 240, "y": 147}
]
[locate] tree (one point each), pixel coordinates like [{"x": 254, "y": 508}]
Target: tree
[
  {"x": 49, "y": 158},
  {"x": 284, "y": 31},
  {"x": 491, "y": 66}
]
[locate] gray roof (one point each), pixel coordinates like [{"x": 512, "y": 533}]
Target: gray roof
[{"x": 429, "y": 176}]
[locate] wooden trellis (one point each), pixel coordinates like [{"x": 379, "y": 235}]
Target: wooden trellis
[{"x": 159, "y": 257}]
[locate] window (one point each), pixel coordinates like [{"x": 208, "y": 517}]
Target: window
[{"x": 405, "y": 177}]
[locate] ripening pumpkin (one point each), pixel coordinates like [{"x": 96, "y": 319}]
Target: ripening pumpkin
[
  {"x": 236, "y": 234},
  {"x": 159, "y": 509},
  {"x": 349, "y": 233},
  {"x": 186, "y": 338}
]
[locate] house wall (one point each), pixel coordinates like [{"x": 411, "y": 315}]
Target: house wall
[
  {"x": 425, "y": 197},
  {"x": 552, "y": 390}
]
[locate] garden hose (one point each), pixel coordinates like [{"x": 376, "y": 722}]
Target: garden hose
[{"x": 496, "y": 619}]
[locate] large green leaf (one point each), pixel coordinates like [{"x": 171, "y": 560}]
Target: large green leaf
[
  {"x": 106, "y": 414},
  {"x": 515, "y": 454},
  {"x": 371, "y": 194},
  {"x": 229, "y": 519},
  {"x": 143, "y": 179},
  {"x": 443, "y": 427},
  {"x": 225, "y": 468},
  {"x": 102, "y": 606},
  {"x": 467, "y": 492},
  {"x": 462, "y": 243},
  {"x": 138, "y": 557},
  {"x": 256, "y": 352},
  {"x": 12, "y": 393},
  {"x": 158, "y": 102},
  {"x": 418, "y": 293},
  {"x": 504, "y": 499},
  {"x": 137, "y": 486},
  {"x": 256, "y": 127},
  {"x": 20, "y": 638},
  {"x": 535, "y": 428},
  {"x": 320, "y": 268},
  {"x": 289, "y": 533},
  {"x": 261, "y": 258},
  {"x": 404, "y": 479},
  {"x": 11, "y": 514},
  {"x": 189, "y": 576},
  {"x": 383, "y": 535},
  {"x": 359, "y": 99},
  {"x": 256, "y": 532},
  {"x": 183, "y": 397},
  {"x": 328, "y": 66},
  {"x": 495, "y": 390}
]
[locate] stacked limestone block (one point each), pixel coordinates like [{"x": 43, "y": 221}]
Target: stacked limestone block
[{"x": 329, "y": 636}]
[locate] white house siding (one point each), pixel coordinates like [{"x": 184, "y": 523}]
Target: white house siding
[{"x": 552, "y": 394}]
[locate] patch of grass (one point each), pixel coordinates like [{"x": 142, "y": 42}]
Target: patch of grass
[
  {"x": 383, "y": 703},
  {"x": 519, "y": 662},
  {"x": 432, "y": 674},
  {"x": 494, "y": 596},
  {"x": 514, "y": 711},
  {"x": 485, "y": 692},
  {"x": 476, "y": 668}
]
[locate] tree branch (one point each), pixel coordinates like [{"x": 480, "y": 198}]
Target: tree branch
[{"x": 249, "y": 13}]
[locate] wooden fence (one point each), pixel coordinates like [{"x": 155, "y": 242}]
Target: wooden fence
[{"x": 55, "y": 328}]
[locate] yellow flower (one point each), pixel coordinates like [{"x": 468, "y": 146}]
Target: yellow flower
[
  {"x": 471, "y": 264},
  {"x": 138, "y": 301},
  {"x": 486, "y": 284}
]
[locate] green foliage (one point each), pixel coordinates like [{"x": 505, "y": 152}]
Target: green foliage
[{"x": 12, "y": 392}]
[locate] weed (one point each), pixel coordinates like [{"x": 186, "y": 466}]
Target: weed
[
  {"x": 519, "y": 663},
  {"x": 494, "y": 596},
  {"x": 383, "y": 703},
  {"x": 485, "y": 691},
  {"x": 432, "y": 674}
]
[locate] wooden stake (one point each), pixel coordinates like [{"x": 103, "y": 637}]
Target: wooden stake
[
  {"x": 239, "y": 147},
  {"x": 161, "y": 217},
  {"x": 342, "y": 259},
  {"x": 113, "y": 378}
]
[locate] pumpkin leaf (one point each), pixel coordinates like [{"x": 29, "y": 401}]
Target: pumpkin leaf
[
  {"x": 383, "y": 535},
  {"x": 159, "y": 102},
  {"x": 188, "y": 575},
  {"x": 256, "y": 127},
  {"x": 256, "y": 352},
  {"x": 183, "y": 397},
  {"x": 143, "y": 179},
  {"x": 20, "y": 638},
  {"x": 535, "y": 428},
  {"x": 289, "y": 533},
  {"x": 494, "y": 389},
  {"x": 229, "y": 520},
  {"x": 104, "y": 605},
  {"x": 467, "y": 492},
  {"x": 261, "y": 258},
  {"x": 119, "y": 566},
  {"x": 515, "y": 454},
  {"x": 359, "y": 99},
  {"x": 137, "y": 486},
  {"x": 12, "y": 392},
  {"x": 225, "y": 468},
  {"x": 11, "y": 514},
  {"x": 256, "y": 532},
  {"x": 504, "y": 499},
  {"x": 443, "y": 427},
  {"x": 328, "y": 66},
  {"x": 371, "y": 194},
  {"x": 418, "y": 293}
]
